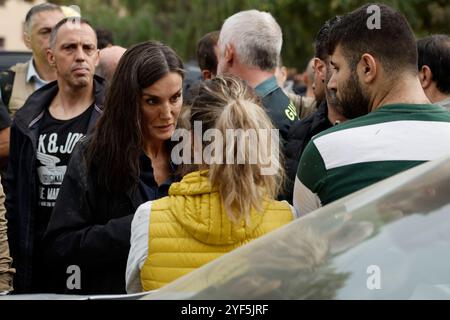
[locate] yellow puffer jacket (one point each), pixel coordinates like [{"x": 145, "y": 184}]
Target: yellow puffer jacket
[{"x": 190, "y": 228}]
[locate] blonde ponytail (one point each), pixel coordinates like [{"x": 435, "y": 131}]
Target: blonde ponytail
[{"x": 229, "y": 105}]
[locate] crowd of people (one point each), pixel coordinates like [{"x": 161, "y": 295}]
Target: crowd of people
[{"x": 91, "y": 164}]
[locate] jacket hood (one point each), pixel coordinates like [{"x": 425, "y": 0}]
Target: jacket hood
[{"x": 198, "y": 207}]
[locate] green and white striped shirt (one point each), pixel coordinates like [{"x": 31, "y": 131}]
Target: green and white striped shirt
[{"x": 365, "y": 150}]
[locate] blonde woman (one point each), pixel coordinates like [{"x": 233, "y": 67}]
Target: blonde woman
[{"x": 219, "y": 205}]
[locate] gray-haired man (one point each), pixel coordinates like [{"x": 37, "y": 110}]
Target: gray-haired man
[{"x": 249, "y": 47}]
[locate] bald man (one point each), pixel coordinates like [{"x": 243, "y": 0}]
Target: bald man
[
  {"x": 109, "y": 59},
  {"x": 43, "y": 135}
]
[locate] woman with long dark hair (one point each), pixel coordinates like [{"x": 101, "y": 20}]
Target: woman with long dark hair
[
  {"x": 123, "y": 164},
  {"x": 223, "y": 202}
]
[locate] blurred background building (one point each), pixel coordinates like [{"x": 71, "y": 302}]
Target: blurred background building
[{"x": 12, "y": 16}]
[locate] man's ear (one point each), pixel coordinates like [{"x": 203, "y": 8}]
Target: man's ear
[
  {"x": 229, "y": 54},
  {"x": 97, "y": 58},
  {"x": 425, "y": 76},
  {"x": 320, "y": 69},
  {"x": 51, "y": 58},
  {"x": 206, "y": 74},
  {"x": 368, "y": 68},
  {"x": 26, "y": 39}
]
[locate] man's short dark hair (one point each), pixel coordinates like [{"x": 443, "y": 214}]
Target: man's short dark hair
[
  {"x": 321, "y": 40},
  {"x": 104, "y": 38},
  {"x": 434, "y": 52},
  {"x": 37, "y": 9},
  {"x": 206, "y": 56},
  {"x": 393, "y": 43},
  {"x": 73, "y": 20}
]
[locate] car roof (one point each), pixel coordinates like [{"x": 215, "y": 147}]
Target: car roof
[{"x": 10, "y": 58}]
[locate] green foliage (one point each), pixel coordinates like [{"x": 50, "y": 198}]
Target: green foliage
[{"x": 180, "y": 23}]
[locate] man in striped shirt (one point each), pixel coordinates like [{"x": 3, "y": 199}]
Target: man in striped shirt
[{"x": 374, "y": 82}]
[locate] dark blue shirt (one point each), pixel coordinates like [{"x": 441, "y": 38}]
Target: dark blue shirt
[{"x": 147, "y": 185}]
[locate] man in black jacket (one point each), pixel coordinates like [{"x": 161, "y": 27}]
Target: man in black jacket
[
  {"x": 325, "y": 117},
  {"x": 43, "y": 135}
]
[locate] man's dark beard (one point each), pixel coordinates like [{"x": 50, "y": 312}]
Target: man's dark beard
[{"x": 353, "y": 103}]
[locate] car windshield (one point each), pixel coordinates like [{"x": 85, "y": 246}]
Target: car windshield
[{"x": 388, "y": 241}]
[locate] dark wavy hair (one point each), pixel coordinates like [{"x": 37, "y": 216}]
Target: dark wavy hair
[
  {"x": 117, "y": 142},
  {"x": 321, "y": 40},
  {"x": 206, "y": 56},
  {"x": 394, "y": 44}
]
